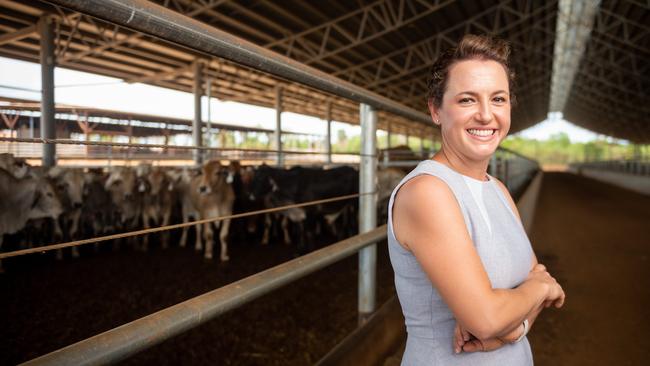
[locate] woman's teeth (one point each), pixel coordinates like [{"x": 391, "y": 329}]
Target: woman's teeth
[{"x": 481, "y": 132}]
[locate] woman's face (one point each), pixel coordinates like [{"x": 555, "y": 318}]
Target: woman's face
[{"x": 475, "y": 113}]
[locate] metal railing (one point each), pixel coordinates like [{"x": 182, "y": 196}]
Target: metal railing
[
  {"x": 128, "y": 339},
  {"x": 640, "y": 167},
  {"x": 513, "y": 169},
  {"x": 156, "y": 20},
  {"x": 102, "y": 153}
]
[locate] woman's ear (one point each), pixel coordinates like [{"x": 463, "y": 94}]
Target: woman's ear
[{"x": 433, "y": 110}]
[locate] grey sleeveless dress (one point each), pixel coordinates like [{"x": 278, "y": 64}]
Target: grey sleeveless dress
[{"x": 506, "y": 254}]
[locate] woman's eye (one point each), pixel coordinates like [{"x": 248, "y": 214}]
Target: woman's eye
[
  {"x": 465, "y": 100},
  {"x": 500, "y": 99}
]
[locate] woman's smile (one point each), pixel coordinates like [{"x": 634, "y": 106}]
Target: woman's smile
[{"x": 482, "y": 134}]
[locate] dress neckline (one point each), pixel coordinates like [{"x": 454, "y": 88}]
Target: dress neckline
[{"x": 463, "y": 175}]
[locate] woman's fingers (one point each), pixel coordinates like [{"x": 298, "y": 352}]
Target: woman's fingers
[
  {"x": 465, "y": 335},
  {"x": 458, "y": 339},
  {"x": 560, "y": 302},
  {"x": 473, "y": 346},
  {"x": 539, "y": 268}
]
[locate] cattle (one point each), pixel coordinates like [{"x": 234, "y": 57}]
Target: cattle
[
  {"x": 157, "y": 202},
  {"x": 209, "y": 195},
  {"x": 387, "y": 179},
  {"x": 14, "y": 166},
  {"x": 70, "y": 183},
  {"x": 98, "y": 211},
  {"x": 279, "y": 187},
  {"x": 122, "y": 184},
  {"x": 24, "y": 199},
  {"x": 244, "y": 228}
]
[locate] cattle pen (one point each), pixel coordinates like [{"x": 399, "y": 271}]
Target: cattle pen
[{"x": 143, "y": 17}]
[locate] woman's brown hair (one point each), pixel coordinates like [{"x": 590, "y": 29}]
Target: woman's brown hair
[{"x": 470, "y": 47}]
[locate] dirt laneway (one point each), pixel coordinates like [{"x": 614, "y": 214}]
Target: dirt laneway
[{"x": 595, "y": 238}]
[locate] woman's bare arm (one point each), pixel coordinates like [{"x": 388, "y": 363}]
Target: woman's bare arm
[{"x": 428, "y": 221}]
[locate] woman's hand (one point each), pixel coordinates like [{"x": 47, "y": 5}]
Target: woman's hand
[
  {"x": 464, "y": 341},
  {"x": 555, "y": 294}
]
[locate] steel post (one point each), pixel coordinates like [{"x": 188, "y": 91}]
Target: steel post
[
  {"x": 208, "y": 130},
  {"x": 493, "y": 165},
  {"x": 367, "y": 210},
  {"x": 278, "y": 125},
  {"x": 328, "y": 140},
  {"x": 46, "y": 31},
  {"x": 422, "y": 146},
  {"x": 197, "y": 133},
  {"x": 388, "y": 136}
]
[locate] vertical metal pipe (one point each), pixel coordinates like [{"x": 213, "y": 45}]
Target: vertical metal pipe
[
  {"x": 388, "y": 136},
  {"x": 208, "y": 131},
  {"x": 328, "y": 142},
  {"x": 433, "y": 143},
  {"x": 197, "y": 123},
  {"x": 422, "y": 146},
  {"x": 367, "y": 210},
  {"x": 46, "y": 31},
  {"x": 278, "y": 125},
  {"x": 493, "y": 165}
]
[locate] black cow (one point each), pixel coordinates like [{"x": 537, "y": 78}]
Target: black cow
[{"x": 278, "y": 187}]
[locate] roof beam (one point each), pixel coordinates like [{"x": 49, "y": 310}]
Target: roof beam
[
  {"x": 376, "y": 19},
  {"x": 18, "y": 35},
  {"x": 418, "y": 56},
  {"x": 574, "y": 24}
]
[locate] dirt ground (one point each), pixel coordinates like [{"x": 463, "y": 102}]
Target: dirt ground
[
  {"x": 595, "y": 238},
  {"x": 48, "y": 304}
]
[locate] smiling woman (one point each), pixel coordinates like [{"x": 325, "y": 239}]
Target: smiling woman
[{"x": 465, "y": 272}]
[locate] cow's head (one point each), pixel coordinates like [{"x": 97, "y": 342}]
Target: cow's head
[
  {"x": 213, "y": 174},
  {"x": 262, "y": 183},
  {"x": 157, "y": 181},
  {"x": 46, "y": 201},
  {"x": 71, "y": 183},
  {"x": 121, "y": 183},
  {"x": 17, "y": 167}
]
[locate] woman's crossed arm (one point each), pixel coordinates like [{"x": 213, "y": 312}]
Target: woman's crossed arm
[{"x": 428, "y": 221}]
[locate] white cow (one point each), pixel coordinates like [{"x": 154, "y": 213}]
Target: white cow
[
  {"x": 13, "y": 165},
  {"x": 25, "y": 199}
]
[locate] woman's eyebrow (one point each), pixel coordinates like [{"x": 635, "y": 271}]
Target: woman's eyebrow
[{"x": 472, "y": 93}]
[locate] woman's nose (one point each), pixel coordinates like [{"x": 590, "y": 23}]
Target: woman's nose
[{"x": 484, "y": 113}]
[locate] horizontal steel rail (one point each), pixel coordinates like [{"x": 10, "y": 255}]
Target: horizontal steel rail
[
  {"x": 98, "y": 239},
  {"x": 121, "y": 342},
  {"x": 160, "y": 146},
  {"x": 149, "y": 18},
  {"x": 503, "y": 149}
]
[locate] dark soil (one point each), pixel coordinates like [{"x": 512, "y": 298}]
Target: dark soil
[
  {"x": 48, "y": 304},
  {"x": 595, "y": 239}
]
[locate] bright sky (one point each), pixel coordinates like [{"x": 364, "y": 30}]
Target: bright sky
[{"x": 90, "y": 90}]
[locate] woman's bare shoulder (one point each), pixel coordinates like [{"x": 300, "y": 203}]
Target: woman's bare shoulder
[
  {"x": 420, "y": 200},
  {"x": 422, "y": 189}
]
